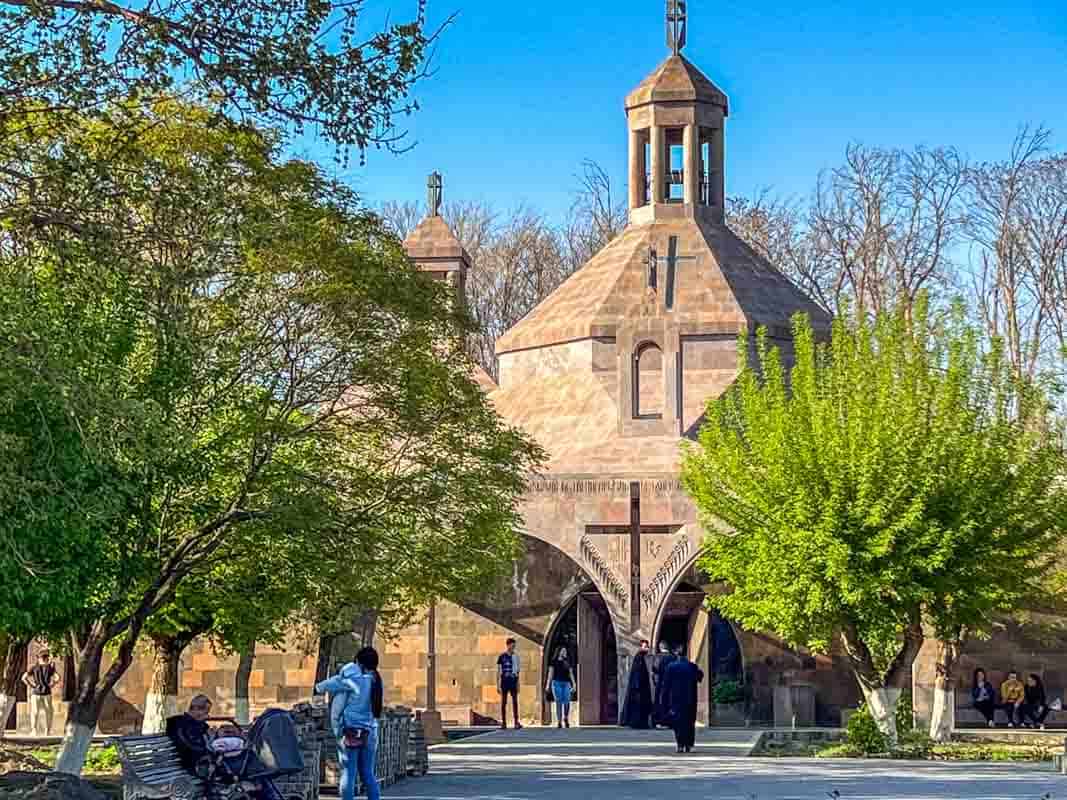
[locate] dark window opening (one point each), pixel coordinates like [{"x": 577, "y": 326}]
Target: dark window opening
[{"x": 674, "y": 191}]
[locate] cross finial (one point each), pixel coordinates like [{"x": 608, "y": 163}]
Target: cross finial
[
  {"x": 676, "y": 24},
  {"x": 433, "y": 194}
]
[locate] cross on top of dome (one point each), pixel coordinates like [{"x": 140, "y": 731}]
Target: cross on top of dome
[{"x": 676, "y": 24}]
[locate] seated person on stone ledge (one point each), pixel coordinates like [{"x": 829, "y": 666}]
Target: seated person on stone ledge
[
  {"x": 983, "y": 698},
  {"x": 1035, "y": 708},
  {"x": 1011, "y": 698}
]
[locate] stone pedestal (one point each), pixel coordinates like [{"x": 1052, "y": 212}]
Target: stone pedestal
[
  {"x": 431, "y": 726},
  {"x": 794, "y": 705}
]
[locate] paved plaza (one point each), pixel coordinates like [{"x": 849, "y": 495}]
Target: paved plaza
[{"x": 614, "y": 764}]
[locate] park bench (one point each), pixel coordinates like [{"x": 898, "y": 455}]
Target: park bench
[{"x": 151, "y": 770}]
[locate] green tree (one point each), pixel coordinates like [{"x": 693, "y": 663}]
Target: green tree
[
  {"x": 892, "y": 473},
  {"x": 290, "y": 64},
  {"x": 280, "y": 369}
]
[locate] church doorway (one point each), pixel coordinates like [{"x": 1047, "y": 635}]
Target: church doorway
[
  {"x": 706, "y": 638},
  {"x": 584, "y": 627}
]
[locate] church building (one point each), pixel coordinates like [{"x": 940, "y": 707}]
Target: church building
[{"x": 611, "y": 374}]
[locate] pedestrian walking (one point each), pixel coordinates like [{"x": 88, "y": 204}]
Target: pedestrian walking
[
  {"x": 561, "y": 685},
  {"x": 680, "y": 694},
  {"x": 41, "y": 679},
  {"x": 508, "y": 669},
  {"x": 356, "y": 699}
]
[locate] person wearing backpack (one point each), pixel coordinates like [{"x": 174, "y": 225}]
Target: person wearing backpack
[{"x": 356, "y": 695}]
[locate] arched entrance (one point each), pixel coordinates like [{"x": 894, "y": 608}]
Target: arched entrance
[
  {"x": 706, "y": 638},
  {"x": 585, "y": 629}
]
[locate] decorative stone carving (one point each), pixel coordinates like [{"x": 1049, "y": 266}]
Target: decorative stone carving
[
  {"x": 601, "y": 570},
  {"x": 677, "y": 559}
]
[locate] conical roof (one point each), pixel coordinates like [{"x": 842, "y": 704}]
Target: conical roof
[{"x": 677, "y": 80}]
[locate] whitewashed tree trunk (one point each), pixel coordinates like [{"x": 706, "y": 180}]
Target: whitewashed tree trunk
[
  {"x": 7, "y": 702},
  {"x": 882, "y": 703},
  {"x": 943, "y": 713},
  {"x": 76, "y": 741},
  {"x": 157, "y": 709},
  {"x": 161, "y": 701}
]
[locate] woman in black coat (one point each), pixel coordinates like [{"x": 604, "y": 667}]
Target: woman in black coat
[{"x": 1035, "y": 706}]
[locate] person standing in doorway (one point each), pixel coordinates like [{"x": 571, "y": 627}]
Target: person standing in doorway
[
  {"x": 508, "y": 667},
  {"x": 561, "y": 684},
  {"x": 638, "y": 691},
  {"x": 680, "y": 694},
  {"x": 41, "y": 679}
]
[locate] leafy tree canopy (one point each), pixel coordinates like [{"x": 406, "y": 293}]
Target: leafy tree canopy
[
  {"x": 273, "y": 377},
  {"x": 894, "y": 474},
  {"x": 291, "y": 64}
]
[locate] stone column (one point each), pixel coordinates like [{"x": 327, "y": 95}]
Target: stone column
[
  {"x": 691, "y": 164},
  {"x": 658, "y": 176},
  {"x": 717, "y": 188},
  {"x": 637, "y": 170}
]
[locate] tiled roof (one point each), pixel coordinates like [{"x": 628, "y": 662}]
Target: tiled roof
[
  {"x": 432, "y": 238},
  {"x": 724, "y": 288}
]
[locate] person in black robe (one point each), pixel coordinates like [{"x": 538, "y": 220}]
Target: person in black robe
[
  {"x": 680, "y": 693},
  {"x": 638, "y": 706},
  {"x": 659, "y": 670}
]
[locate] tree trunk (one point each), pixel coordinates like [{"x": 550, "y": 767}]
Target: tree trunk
[
  {"x": 241, "y": 703},
  {"x": 879, "y": 689},
  {"x": 943, "y": 713},
  {"x": 92, "y": 688},
  {"x": 14, "y": 652},
  {"x": 324, "y": 657},
  {"x": 161, "y": 702}
]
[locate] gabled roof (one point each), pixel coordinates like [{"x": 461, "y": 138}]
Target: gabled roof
[
  {"x": 677, "y": 79},
  {"x": 721, "y": 286}
]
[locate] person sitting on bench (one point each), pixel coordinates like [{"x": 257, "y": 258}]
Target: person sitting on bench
[
  {"x": 193, "y": 740},
  {"x": 1012, "y": 695},
  {"x": 983, "y": 698},
  {"x": 1035, "y": 705}
]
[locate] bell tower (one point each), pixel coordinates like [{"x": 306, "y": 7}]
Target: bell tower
[{"x": 676, "y": 119}]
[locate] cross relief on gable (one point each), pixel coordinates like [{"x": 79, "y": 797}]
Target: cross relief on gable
[{"x": 616, "y": 560}]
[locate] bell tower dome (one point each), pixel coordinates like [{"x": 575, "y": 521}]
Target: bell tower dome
[{"x": 676, "y": 118}]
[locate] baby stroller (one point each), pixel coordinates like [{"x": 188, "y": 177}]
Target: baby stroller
[{"x": 271, "y": 750}]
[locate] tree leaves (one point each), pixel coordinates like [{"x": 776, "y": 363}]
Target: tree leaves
[{"x": 897, "y": 469}]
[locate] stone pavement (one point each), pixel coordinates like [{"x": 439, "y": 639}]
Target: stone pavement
[{"x": 616, "y": 764}]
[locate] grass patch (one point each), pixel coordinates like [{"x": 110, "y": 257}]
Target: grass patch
[
  {"x": 914, "y": 747},
  {"x": 99, "y": 760}
]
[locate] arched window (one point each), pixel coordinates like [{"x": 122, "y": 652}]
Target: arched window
[{"x": 648, "y": 382}]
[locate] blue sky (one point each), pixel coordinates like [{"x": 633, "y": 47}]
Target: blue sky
[{"x": 524, "y": 91}]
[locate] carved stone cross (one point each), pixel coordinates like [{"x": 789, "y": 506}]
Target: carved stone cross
[
  {"x": 671, "y": 260},
  {"x": 636, "y": 530}
]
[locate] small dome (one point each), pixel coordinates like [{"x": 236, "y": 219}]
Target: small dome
[{"x": 677, "y": 79}]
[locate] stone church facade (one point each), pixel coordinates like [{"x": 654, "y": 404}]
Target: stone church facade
[{"x": 610, "y": 374}]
